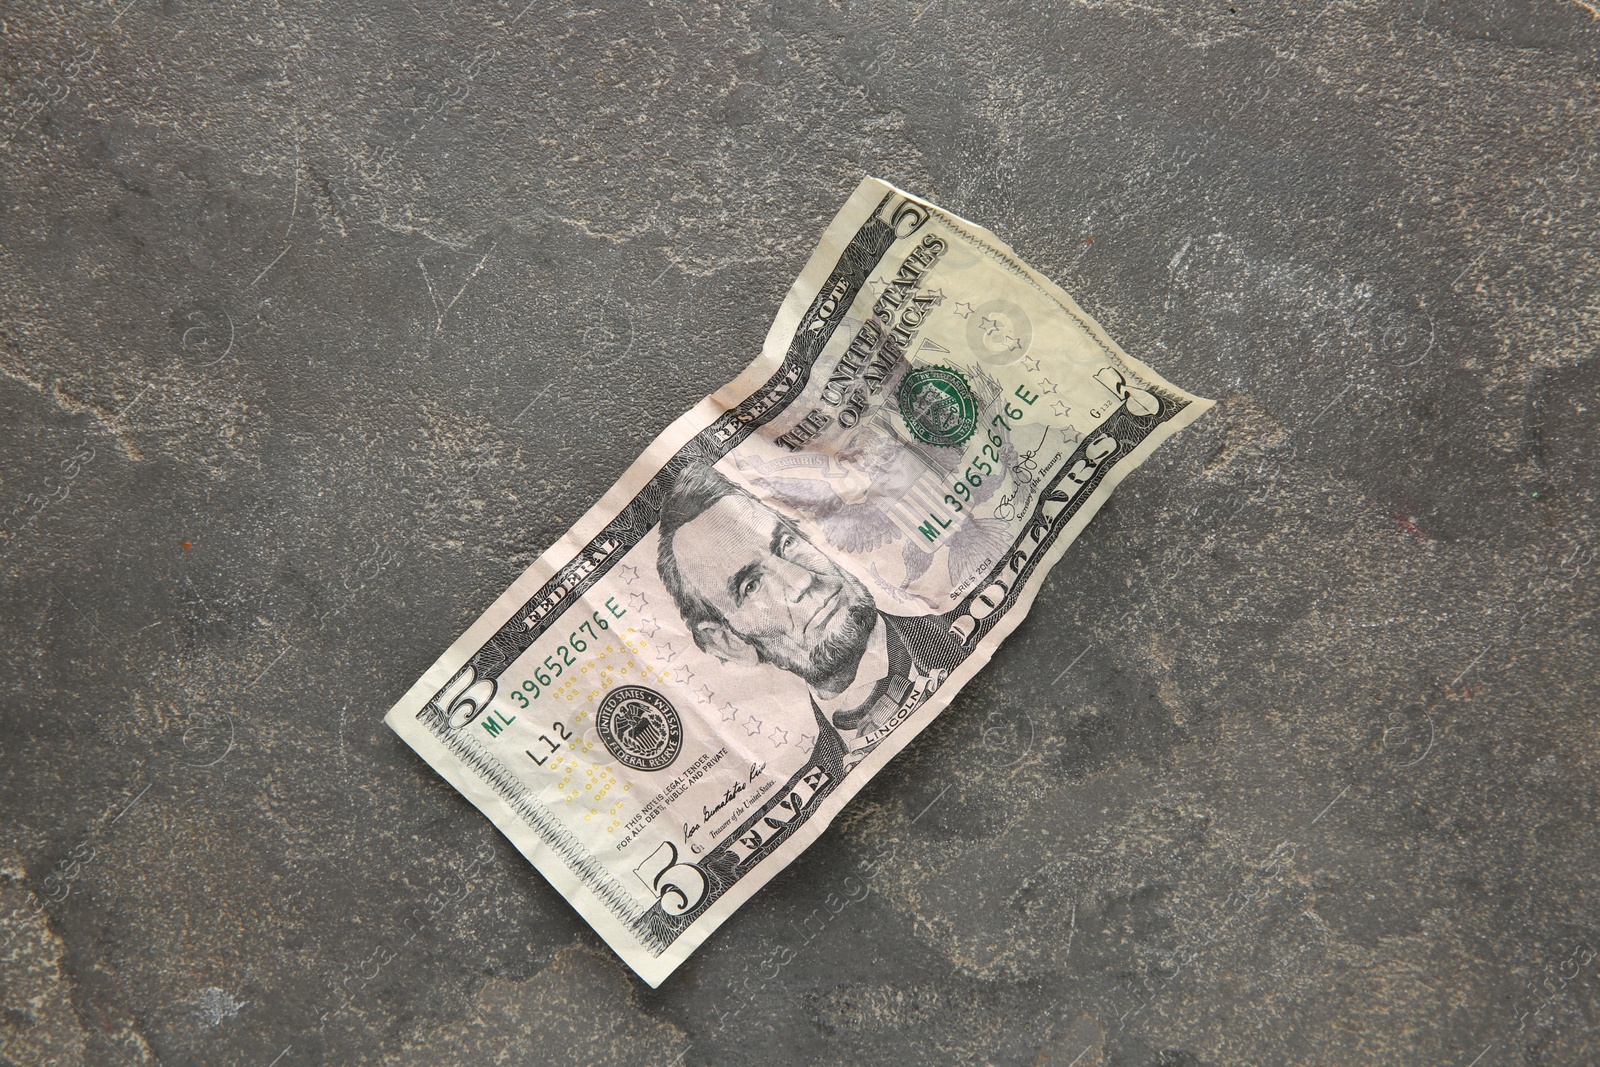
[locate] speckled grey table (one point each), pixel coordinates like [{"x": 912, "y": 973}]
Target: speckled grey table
[{"x": 320, "y": 321}]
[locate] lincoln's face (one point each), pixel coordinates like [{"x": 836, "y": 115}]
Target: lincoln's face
[{"x": 775, "y": 592}]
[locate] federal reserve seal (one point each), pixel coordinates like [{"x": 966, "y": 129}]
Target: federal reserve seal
[
  {"x": 938, "y": 406},
  {"x": 640, "y": 727}
]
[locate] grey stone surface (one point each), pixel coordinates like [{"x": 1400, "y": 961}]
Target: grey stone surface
[{"x": 319, "y": 321}]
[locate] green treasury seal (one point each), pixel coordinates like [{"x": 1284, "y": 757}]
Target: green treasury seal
[
  {"x": 640, "y": 727},
  {"x": 938, "y": 406}
]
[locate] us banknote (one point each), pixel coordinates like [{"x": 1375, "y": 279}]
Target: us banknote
[{"x": 795, "y": 577}]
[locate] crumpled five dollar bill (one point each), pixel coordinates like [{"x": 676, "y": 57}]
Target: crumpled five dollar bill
[{"x": 795, "y": 577}]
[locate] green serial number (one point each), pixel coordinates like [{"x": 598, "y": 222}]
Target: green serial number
[{"x": 556, "y": 664}]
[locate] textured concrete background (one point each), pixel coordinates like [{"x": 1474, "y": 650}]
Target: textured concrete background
[{"x": 320, "y": 321}]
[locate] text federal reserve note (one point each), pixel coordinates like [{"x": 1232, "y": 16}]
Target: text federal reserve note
[{"x": 793, "y": 580}]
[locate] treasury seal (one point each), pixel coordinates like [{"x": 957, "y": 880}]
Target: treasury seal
[
  {"x": 938, "y": 406},
  {"x": 640, "y": 727}
]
